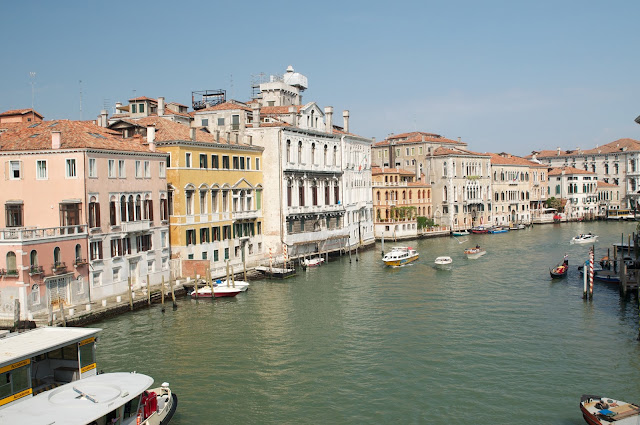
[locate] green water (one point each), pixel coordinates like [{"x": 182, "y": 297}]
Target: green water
[{"x": 492, "y": 341}]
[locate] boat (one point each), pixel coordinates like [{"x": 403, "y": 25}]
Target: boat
[
  {"x": 479, "y": 230},
  {"x": 312, "y": 262},
  {"x": 460, "y": 233},
  {"x": 443, "y": 262},
  {"x": 240, "y": 284},
  {"x": 121, "y": 397},
  {"x": 597, "y": 410},
  {"x": 399, "y": 256},
  {"x": 473, "y": 253},
  {"x": 218, "y": 291},
  {"x": 498, "y": 230},
  {"x": 602, "y": 275},
  {"x": 560, "y": 271},
  {"x": 584, "y": 238}
]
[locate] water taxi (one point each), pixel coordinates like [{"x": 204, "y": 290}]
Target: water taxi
[
  {"x": 597, "y": 410},
  {"x": 443, "y": 262},
  {"x": 399, "y": 256},
  {"x": 109, "y": 398},
  {"x": 473, "y": 253},
  {"x": 588, "y": 238}
]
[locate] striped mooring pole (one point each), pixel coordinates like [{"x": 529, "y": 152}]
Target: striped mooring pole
[{"x": 591, "y": 273}]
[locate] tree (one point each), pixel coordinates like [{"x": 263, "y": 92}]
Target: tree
[{"x": 554, "y": 203}]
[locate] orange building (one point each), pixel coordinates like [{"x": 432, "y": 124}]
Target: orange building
[{"x": 20, "y": 116}]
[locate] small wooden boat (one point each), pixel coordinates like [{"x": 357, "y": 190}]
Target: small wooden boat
[
  {"x": 312, "y": 262},
  {"x": 443, "y": 262},
  {"x": 498, "y": 230},
  {"x": 588, "y": 238},
  {"x": 597, "y": 410},
  {"x": 399, "y": 256},
  {"x": 560, "y": 271},
  {"x": 473, "y": 253}
]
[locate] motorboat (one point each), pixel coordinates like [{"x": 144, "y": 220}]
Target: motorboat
[
  {"x": 498, "y": 230},
  {"x": 399, "y": 256},
  {"x": 460, "y": 233},
  {"x": 479, "y": 230},
  {"x": 584, "y": 238},
  {"x": 597, "y": 410},
  {"x": 217, "y": 291},
  {"x": 473, "y": 253},
  {"x": 312, "y": 262},
  {"x": 241, "y": 284},
  {"x": 121, "y": 397},
  {"x": 443, "y": 262}
]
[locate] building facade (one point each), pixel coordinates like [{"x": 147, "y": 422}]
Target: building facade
[{"x": 579, "y": 188}]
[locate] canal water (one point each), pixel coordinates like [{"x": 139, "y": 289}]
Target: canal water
[{"x": 492, "y": 341}]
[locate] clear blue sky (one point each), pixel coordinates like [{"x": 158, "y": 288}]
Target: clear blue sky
[{"x": 509, "y": 76}]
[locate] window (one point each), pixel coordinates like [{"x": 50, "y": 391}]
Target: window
[
  {"x": 162, "y": 168},
  {"x": 148, "y": 209},
  {"x": 226, "y": 253},
  {"x": 147, "y": 170},
  {"x": 220, "y": 121},
  {"x": 94, "y": 213},
  {"x": 187, "y": 159},
  {"x": 189, "y": 199},
  {"x": 235, "y": 163},
  {"x": 214, "y": 161},
  {"x": 121, "y": 169},
  {"x": 225, "y": 162},
  {"x": 203, "y": 161},
  {"x": 41, "y": 169},
  {"x": 257, "y": 163},
  {"x": 164, "y": 239},
  {"x": 215, "y": 255},
  {"x": 93, "y": 172},
  {"x": 204, "y": 235},
  {"x": 141, "y": 108},
  {"x": 138, "y": 169},
  {"x": 235, "y": 122},
  {"x": 95, "y": 250},
  {"x": 14, "y": 215},
  {"x": 71, "y": 167},
  {"x": 205, "y": 122},
  {"x": 133, "y": 108},
  {"x": 191, "y": 237},
  {"x": 112, "y": 168},
  {"x": 14, "y": 170},
  {"x": 12, "y": 267}
]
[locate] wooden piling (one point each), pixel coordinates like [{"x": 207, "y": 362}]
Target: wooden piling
[
  {"x": 16, "y": 314},
  {"x": 162, "y": 293},
  {"x": 244, "y": 268},
  {"x": 591, "y": 255},
  {"x": 584, "y": 275},
  {"x": 173, "y": 295},
  {"x": 195, "y": 285},
  {"x": 130, "y": 295},
  {"x": 148, "y": 290},
  {"x": 227, "y": 273},
  {"x": 623, "y": 278},
  {"x": 233, "y": 278},
  {"x": 61, "y": 305}
]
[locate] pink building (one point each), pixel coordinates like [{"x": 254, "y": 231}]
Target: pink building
[{"x": 79, "y": 204}]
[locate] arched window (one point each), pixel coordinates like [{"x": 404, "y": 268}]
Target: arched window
[
  {"x": 123, "y": 209},
  {"x": 324, "y": 160},
  {"x": 112, "y": 211},
  {"x": 300, "y": 152},
  {"x": 288, "y": 150},
  {"x": 35, "y": 294},
  {"x": 131, "y": 209},
  {"x": 33, "y": 257},
  {"x": 138, "y": 208},
  {"x": 313, "y": 153},
  {"x": 78, "y": 252},
  {"x": 12, "y": 267},
  {"x": 56, "y": 256}
]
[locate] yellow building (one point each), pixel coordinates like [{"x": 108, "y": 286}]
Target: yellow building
[{"x": 215, "y": 197}]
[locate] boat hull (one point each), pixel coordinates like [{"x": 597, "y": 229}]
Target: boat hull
[
  {"x": 400, "y": 262},
  {"x": 474, "y": 255}
]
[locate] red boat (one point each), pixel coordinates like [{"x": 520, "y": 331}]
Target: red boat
[
  {"x": 479, "y": 230},
  {"x": 598, "y": 410}
]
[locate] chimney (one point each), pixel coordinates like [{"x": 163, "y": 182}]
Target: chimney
[
  {"x": 103, "y": 118},
  {"x": 55, "y": 139},
  {"x": 118, "y": 106},
  {"x": 228, "y": 137},
  {"x": 373, "y": 140},
  {"x": 328, "y": 111},
  {"x": 217, "y": 136},
  {"x": 294, "y": 116},
  {"x": 345, "y": 115},
  {"x": 558, "y": 151},
  {"x": 256, "y": 115},
  {"x": 392, "y": 161},
  {"x": 160, "y": 106},
  {"x": 192, "y": 134},
  {"x": 151, "y": 137},
  {"x": 459, "y": 139}
]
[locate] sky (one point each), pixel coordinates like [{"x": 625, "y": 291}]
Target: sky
[{"x": 504, "y": 76}]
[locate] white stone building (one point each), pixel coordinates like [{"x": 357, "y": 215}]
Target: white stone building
[{"x": 579, "y": 188}]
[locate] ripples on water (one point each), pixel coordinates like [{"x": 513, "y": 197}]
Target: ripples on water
[{"x": 492, "y": 341}]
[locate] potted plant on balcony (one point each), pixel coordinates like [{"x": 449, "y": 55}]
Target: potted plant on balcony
[{"x": 59, "y": 267}]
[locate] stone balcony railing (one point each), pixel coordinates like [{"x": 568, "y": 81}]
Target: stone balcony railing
[
  {"x": 313, "y": 209},
  {"x": 20, "y": 234},
  {"x": 245, "y": 215},
  {"x": 136, "y": 226}
]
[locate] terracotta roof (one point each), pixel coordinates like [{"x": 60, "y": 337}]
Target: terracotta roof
[
  {"x": 20, "y": 112},
  {"x": 605, "y": 184},
  {"x": 279, "y": 110},
  {"x": 143, "y": 98},
  {"x": 176, "y": 103},
  {"x": 417, "y": 137},
  {"x": 613, "y": 147},
  {"x": 167, "y": 130},
  {"x": 568, "y": 170},
  {"x": 497, "y": 159},
  {"x": 74, "y": 135},
  {"x": 225, "y": 107},
  {"x": 442, "y": 151}
]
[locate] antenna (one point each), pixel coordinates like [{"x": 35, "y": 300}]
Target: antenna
[
  {"x": 32, "y": 75},
  {"x": 80, "y": 83},
  {"x": 233, "y": 95}
]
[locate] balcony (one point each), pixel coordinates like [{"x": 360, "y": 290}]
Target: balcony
[
  {"x": 59, "y": 268},
  {"x": 20, "y": 234},
  {"x": 8, "y": 273},
  {"x": 35, "y": 270},
  {"x": 315, "y": 209},
  {"x": 245, "y": 215},
  {"x": 136, "y": 226},
  {"x": 80, "y": 262}
]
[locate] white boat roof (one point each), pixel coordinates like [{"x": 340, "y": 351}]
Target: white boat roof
[
  {"x": 23, "y": 345},
  {"x": 79, "y": 402}
]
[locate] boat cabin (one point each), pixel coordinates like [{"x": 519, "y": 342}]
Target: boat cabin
[{"x": 42, "y": 359}]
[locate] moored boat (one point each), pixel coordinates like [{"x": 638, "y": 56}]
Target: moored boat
[
  {"x": 443, "y": 262},
  {"x": 123, "y": 398},
  {"x": 217, "y": 292},
  {"x": 479, "y": 230},
  {"x": 473, "y": 253},
  {"x": 460, "y": 233},
  {"x": 498, "y": 230},
  {"x": 597, "y": 410},
  {"x": 584, "y": 238},
  {"x": 312, "y": 262},
  {"x": 399, "y": 256}
]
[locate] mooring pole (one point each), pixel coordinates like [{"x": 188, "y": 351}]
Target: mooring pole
[
  {"x": 195, "y": 283},
  {"x": 148, "y": 290},
  {"x": 130, "y": 295},
  {"x": 162, "y": 292},
  {"x": 173, "y": 295},
  {"x": 584, "y": 275},
  {"x": 591, "y": 254}
]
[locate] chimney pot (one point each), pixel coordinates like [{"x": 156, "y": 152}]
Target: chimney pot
[
  {"x": 256, "y": 115},
  {"x": 103, "y": 118},
  {"x": 151, "y": 137},
  {"x": 328, "y": 111},
  {"x": 345, "y": 115},
  {"x": 160, "y": 106},
  {"x": 294, "y": 115},
  {"x": 56, "y": 139},
  {"x": 192, "y": 134}
]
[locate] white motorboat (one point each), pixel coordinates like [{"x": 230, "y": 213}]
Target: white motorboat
[
  {"x": 399, "y": 256},
  {"x": 443, "y": 262},
  {"x": 597, "y": 410},
  {"x": 241, "y": 284},
  {"x": 218, "y": 291},
  {"x": 123, "y": 398},
  {"x": 312, "y": 262},
  {"x": 584, "y": 238},
  {"x": 473, "y": 253}
]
